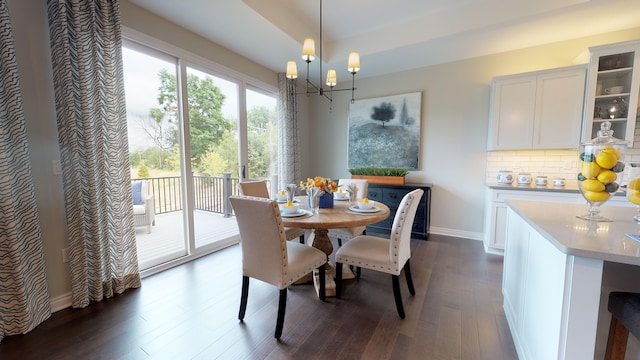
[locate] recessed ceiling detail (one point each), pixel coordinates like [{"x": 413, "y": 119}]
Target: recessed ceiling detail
[{"x": 393, "y": 36}]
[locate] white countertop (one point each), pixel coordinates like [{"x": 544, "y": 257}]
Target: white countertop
[{"x": 599, "y": 240}]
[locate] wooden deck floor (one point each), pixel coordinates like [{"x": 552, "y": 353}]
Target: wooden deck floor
[{"x": 167, "y": 239}]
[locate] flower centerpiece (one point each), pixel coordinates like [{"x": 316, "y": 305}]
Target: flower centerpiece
[{"x": 319, "y": 189}]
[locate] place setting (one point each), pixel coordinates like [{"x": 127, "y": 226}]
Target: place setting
[
  {"x": 363, "y": 207},
  {"x": 292, "y": 210},
  {"x": 286, "y": 195},
  {"x": 284, "y": 201},
  {"x": 341, "y": 195}
]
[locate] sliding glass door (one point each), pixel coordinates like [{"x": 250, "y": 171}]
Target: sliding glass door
[
  {"x": 194, "y": 133},
  {"x": 212, "y": 119},
  {"x": 153, "y": 145}
]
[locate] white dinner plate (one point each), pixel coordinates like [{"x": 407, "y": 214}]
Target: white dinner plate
[
  {"x": 296, "y": 201},
  {"x": 300, "y": 212},
  {"x": 357, "y": 209},
  {"x": 341, "y": 199}
]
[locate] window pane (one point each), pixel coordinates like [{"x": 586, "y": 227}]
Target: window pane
[
  {"x": 213, "y": 124},
  {"x": 262, "y": 134}
]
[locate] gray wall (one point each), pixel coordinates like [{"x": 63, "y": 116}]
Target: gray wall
[{"x": 454, "y": 119}]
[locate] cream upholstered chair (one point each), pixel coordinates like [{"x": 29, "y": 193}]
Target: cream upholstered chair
[
  {"x": 385, "y": 255},
  {"x": 348, "y": 233},
  {"x": 259, "y": 189},
  {"x": 267, "y": 256},
  {"x": 144, "y": 213}
]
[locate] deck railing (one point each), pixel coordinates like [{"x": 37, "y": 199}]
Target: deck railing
[{"x": 211, "y": 193}]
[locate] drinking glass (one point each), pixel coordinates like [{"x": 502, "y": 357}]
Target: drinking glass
[
  {"x": 313, "y": 198},
  {"x": 291, "y": 192}
]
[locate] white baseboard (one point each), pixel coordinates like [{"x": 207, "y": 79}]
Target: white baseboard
[
  {"x": 456, "y": 233},
  {"x": 60, "y": 302},
  {"x": 494, "y": 251}
]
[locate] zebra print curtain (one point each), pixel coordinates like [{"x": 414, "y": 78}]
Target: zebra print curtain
[
  {"x": 86, "y": 47},
  {"x": 288, "y": 139},
  {"x": 24, "y": 296}
]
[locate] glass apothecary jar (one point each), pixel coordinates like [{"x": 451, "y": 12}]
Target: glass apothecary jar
[{"x": 601, "y": 166}]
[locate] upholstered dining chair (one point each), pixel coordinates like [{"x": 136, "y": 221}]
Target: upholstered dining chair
[
  {"x": 259, "y": 188},
  {"x": 625, "y": 318},
  {"x": 349, "y": 233},
  {"x": 389, "y": 256},
  {"x": 268, "y": 256}
]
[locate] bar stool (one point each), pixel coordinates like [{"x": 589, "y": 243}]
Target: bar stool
[{"x": 625, "y": 318}]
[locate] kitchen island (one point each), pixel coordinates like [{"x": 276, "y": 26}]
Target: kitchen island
[
  {"x": 558, "y": 273},
  {"x": 496, "y": 207}
]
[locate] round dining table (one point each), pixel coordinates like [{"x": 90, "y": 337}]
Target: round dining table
[{"x": 339, "y": 216}]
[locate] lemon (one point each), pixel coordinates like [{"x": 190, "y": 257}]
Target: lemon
[
  {"x": 289, "y": 203},
  {"x": 613, "y": 151},
  {"x": 606, "y": 160},
  {"x": 634, "y": 197},
  {"x": 590, "y": 170},
  {"x": 607, "y": 177},
  {"x": 592, "y": 185},
  {"x": 365, "y": 200},
  {"x": 634, "y": 184},
  {"x": 596, "y": 196}
]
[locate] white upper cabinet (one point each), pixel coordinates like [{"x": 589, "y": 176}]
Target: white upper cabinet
[
  {"x": 537, "y": 110},
  {"x": 612, "y": 90}
]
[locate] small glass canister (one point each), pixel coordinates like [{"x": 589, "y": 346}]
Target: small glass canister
[{"x": 601, "y": 166}]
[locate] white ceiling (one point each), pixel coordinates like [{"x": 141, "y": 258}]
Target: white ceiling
[{"x": 392, "y": 35}]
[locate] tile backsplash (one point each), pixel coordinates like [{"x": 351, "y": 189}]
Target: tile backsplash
[{"x": 552, "y": 163}]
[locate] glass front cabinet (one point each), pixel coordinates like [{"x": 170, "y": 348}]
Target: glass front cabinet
[{"x": 613, "y": 88}]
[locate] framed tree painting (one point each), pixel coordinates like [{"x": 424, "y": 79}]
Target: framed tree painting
[{"x": 384, "y": 132}]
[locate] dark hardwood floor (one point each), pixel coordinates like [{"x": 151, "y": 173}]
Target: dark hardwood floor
[{"x": 190, "y": 312}]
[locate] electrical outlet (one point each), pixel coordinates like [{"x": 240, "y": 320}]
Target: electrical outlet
[
  {"x": 57, "y": 167},
  {"x": 65, "y": 255}
]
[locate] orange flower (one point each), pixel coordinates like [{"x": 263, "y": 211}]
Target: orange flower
[{"x": 325, "y": 184}]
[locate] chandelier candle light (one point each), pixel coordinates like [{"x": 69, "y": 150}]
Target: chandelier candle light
[{"x": 309, "y": 54}]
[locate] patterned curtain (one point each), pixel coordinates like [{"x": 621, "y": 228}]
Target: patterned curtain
[
  {"x": 24, "y": 296},
  {"x": 92, "y": 129},
  {"x": 289, "y": 144}
]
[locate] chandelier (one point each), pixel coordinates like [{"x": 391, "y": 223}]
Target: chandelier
[{"x": 308, "y": 55}]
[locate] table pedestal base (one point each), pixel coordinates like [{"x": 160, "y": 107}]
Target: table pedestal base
[{"x": 320, "y": 240}]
